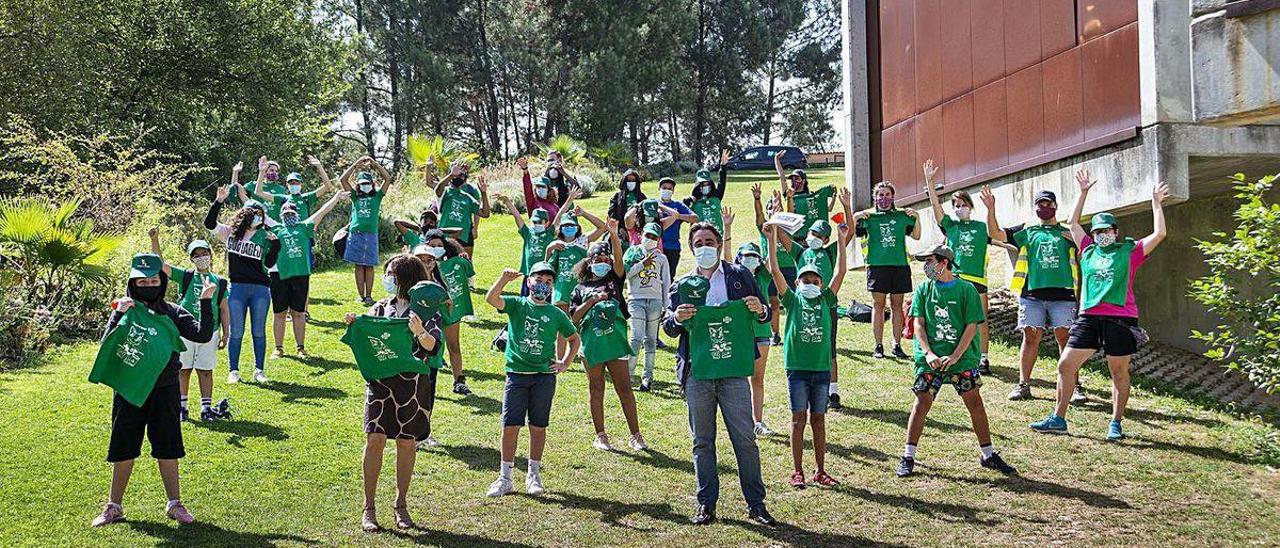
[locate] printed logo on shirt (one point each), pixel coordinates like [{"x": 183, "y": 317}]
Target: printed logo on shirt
[
  {"x": 380, "y": 349},
  {"x": 532, "y": 341},
  {"x": 648, "y": 275},
  {"x": 1048, "y": 255},
  {"x": 244, "y": 248},
  {"x": 888, "y": 237},
  {"x": 291, "y": 244},
  {"x": 1103, "y": 271},
  {"x": 721, "y": 346},
  {"x": 130, "y": 351},
  {"x": 810, "y": 325},
  {"x": 965, "y": 247},
  {"x": 944, "y": 330}
]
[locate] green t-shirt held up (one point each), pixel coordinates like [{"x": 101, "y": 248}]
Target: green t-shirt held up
[
  {"x": 131, "y": 357},
  {"x": 535, "y": 247},
  {"x": 887, "y": 237},
  {"x": 563, "y": 261},
  {"x": 947, "y": 310},
  {"x": 189, "y": 300},
  {"x": 708, "y": 211},
  {"x": 807, "y": 341},
  {"x": 457, "y": 273},
  {"x": 531, "y": 334},
  {"x": 722, "y": 341},
  {"x": 604, "y": 334},
  {"x": 383, "y": 347}
]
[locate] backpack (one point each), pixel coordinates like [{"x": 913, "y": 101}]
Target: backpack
[{"x": 499, "y": 343}]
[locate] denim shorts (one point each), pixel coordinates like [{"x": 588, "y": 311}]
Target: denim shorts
[
  {"x": 1045, "y": 314},
  {"x": 809, "y": 390},
  {"x": 528, "y": 395}
]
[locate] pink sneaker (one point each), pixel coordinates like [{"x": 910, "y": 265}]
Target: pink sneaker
[
  {"x": 822, "y": 478},
  {"x": 111, "y": 513},
  {"x": 177, "y": 512}
]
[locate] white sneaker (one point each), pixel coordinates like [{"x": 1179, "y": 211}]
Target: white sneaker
[
  {"x": 602, "y": 443},
  {"x": 429, "y": 442},
  {"x": 259, "y": 376},
  {"x": 637, "y": 443},
  {"x": 233, "y": 377},
  {"x": 762, "y": 430},
  {"x": 533, "y": 484},
  {"x": 501, "y": 486}
]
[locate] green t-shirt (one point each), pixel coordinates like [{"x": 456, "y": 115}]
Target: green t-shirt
[
  {"x": 814, "y": 206},
  {"x": 270, "y": 188},
  {"x": 708, "y": 211},
  {"x": 563, "y": 261},
  {"x": 383, "y": 347},
  {"x": 131, "y": 357},
  {"x": 305, "y": 203},
  {"x": 294, "y": 243},
  {"x": 887, "y": 237},
  {"x": 457, "y": 210},
  {"x": 1105, "y": 271},
  {"x": 824, "y": 259},
  {"x": 947, "y": 310},
  {"x": 604, "y": 334},
  {"x": 968, "y": 239},
  {"x": 764, "y": 281},
  {"x": 535, "y": 247},
  {"x": 412, "y": 238},
  {"x": 785, "y": 259},
  {"x": 189, "y": 300},
  {"x": 722, "y": 341},
  {"x": 364, "y": 211},
  {"x": 531, "y": 334},
  {"x": 1048, "y": 256},
  {"x": 457, "y": 273},
  {"x": 807, "y": 342}
]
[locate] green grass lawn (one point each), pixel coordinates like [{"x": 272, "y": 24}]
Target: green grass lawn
[{"x": 286, "y": 470}]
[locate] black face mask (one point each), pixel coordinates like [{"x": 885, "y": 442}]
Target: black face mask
[
  {"x": 457, "y": 181},
  {"x": 148, "y": 294}
]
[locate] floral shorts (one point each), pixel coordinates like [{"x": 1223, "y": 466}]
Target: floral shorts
[{"x": 963, "y": 381}]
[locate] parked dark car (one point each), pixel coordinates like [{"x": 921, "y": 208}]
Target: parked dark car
[{"x": 762, "y": 158}]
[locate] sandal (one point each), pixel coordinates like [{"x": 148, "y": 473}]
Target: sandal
[
  {"x": 369, "y": 521},
  {"x": 302, "y": 353},
  {"x": 403, "y": 521}
]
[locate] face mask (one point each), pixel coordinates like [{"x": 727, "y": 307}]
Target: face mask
[
  {"x": 457, "y": 181},
  {"x": 289, "y": 219},
  {"x": 797, "y": 184},
  {"x": 147, "y": 294},
  {"x": 540, "y": 291},
  {"x": 808, "y": 291},
  {"x": 814, "y": 242},
  {"x": 537, "y": 229},
  {"x": 436, "y": 252},
  {"x": 541, "y": 192},
  {"x": 295, "y": 189},
  {"x": 257, "y": 220},
  {"x": 1105, "y": 239},
  {"x": 389, "y": 283},
  {"x": 366, "y": 188},
  {"x": 569, "y": 231},
  {"x": 1046, "y": 212},
  {"x": 272, "y": 176},
  {"x": 631, "y": 185},
  {"x": 963, "y": 213},
  {"x": 932, "y": 270},
  {"x": 600, "y": 269},
  {"x": 650, "y": 245},
  {"x": 751, "y": 263},
  {"x": 884, "y": 203},
  {"x": 665, "y": 194},
  {"x": 553, "y": 173},
  {"x": 203, "y": 263},
  {"x": 707, "y": 256},
  {"x": 706, "y": 190}
]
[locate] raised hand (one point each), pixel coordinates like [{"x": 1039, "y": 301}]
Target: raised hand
[
  {"x": 343, "y": 195},
  {"x": 988, "y": 198},
  {"x": 755, "y": 190},
  {"x": 577, "y": 211},
  {"x": 238, "y": 167},
  {"x": 223, "y": 192},
  {"x": 930, "y": 170},
  {"x": 315, "y": 162},
  {"x": 1085, "y": 182},
  {"x": 726, "y": 216},
  {"x": 349, "y": 319},
  {"x": 724, "y": 156},
  {"x": 483, "y": 184},
  {"x": 612, "y": 224},
  {"x": 911, "y": 213},
  {"x": 845, "y": 197},
  {"x": 1159, "y": 193},
  {"x": 510, "y": 274},
  {"x": 523, "y": 163},
  {"x": 153, "y": 232},
  {"x": 575, "y": 193},
  {"x": 210, "y": 287},
  {"x": 262, "y": 163}
]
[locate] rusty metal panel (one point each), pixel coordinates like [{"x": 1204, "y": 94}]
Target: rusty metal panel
[
  {"x": 957, "y": 49},
  {"x": 897, "y": 61},
  {"x": 988, "y": 41},
  {"x": 929, "y": 141},
  {"x": 1063, "y": 107},
  {"x": 1021, "y": 35},
  {"x": 1111, "y": 90},
  {"x": 990, "y": 127},
  {"x": 1057, "y": 27},
  {"x": 899, "y": 155},
  {"x": 1025, "y": 92},
  {"x": 1098, "y": 17},
  {"x": 928, "y": 32},
  {"x": 957, "y": 137}
]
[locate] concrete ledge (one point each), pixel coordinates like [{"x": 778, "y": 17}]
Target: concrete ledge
[{"x": 1235, "y": 56}]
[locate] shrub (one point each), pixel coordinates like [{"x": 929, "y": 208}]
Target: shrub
[
  {"x": 671, "y": 169},
  {"x": 1244, "y": 286}
]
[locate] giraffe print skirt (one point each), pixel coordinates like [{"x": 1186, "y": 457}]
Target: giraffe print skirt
[{"x": 400, "y": 406}]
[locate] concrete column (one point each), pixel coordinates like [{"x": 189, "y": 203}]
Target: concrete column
[
  {"x": 855, "y": 122},
  {"x": 1164, "y": 47}
]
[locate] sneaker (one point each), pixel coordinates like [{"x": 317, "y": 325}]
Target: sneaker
[
  {"x": 637, "y": 443},
  {"x": 763, "y": 430},
  {"x": 835, "y": 402},
  {"x": 878, "y": 353},
  {"x": 367, "y": 301},
  {"x": 1078, "y": 396},
  {"x": 998, "y": 464},
  {"x": 1020, "y": 392},
  {"x": 177, "y": 512},
  {"x": 824, "y": 479},
  {"x": 500, "y": 487},
  {"x": 646, "y": 385},
  {"x": 533, "y": 484},
  {"x": 1115, "y": 432},
  {"x": 184, "y": 415},
  {"x": 233, "y": 377},
  {"x": 207, "y": 414},
  {"x": 260, "y": 377},
  {"x": 661, "y": 344},
  {"x": 369, "y": 521},
  {"x": 111, "y": 513},
  {"x": 302, "y": 353},
  {"x": 460, "y": 388},
  {"x": 777, "y": 340},
  {"x": 906, "y": 467},
  {"x": 277, "y": 353},
  {"x": 984, "y": 367},
  {"x": 797, "y": 479},
  {"x": 428, "y": 442},
  {"x": 761, "y": 516},
  {"x": 1052, "y": 424},
  {"x": 222, "y": 409},
  {"x": 602, "y": 443},
  {"x": 898, "y": 353}
]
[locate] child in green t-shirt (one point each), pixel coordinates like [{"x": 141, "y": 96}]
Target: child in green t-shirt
[
  {"x": 534, "y": 326},
  {"x": 362, "y": 232},
  {"x": 809, "y": 352},
  {"x": 291, "y": 280},
  {"x": 886, "y": 229},
  {"x": 450, "y": 265},
  {"x": 946, "y": 311}
]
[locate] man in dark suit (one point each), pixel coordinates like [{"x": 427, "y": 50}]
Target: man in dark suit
[{"x": 725, "y": 282}]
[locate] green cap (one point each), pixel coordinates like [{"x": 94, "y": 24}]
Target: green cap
[
  {"x": 749, "y": 248},
  {"x": 145, "y": 265},
  {"x": 808, "y": 267},
  {"x": 426, "y": 298},
  {"x": 650, "y": 208},
  {"x": 540, "y": 267},
  {"x": 538, "y": 215},
  {"x": 364, "y": 176},
  {"x": 653, "y": 229},
  {"x": 542, "y": 181},
  {"x": 569, "y": 219},
  {"x": 197, "y": 244},
  {"x": 822, "y": 228},
  {"x": 293, "y": 176},
  {"x": 703, "y": 175},
  {"x": 1101, "y": 221},
  {"x": 693, "y": 290}
]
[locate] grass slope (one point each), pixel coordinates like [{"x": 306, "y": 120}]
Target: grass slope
[{"x": 287, "y": 469}]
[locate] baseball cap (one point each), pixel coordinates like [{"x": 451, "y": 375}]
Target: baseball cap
[
  {"x": 197, "y": 244},
  {"x": 749, "y": 248},
  {"x": 937, "y": 250},
  {"x": 1046, "y": 195},
  {"x": 703, "y": 175},
  {"x": 293, "y": 176},
  {"x": 653, "y": 229},
  {"x": 569, "y": 219},
  {"x": 541, "y": 267},
  {"x": 1101, "y": 221},
  {"x": 799, "y": 173},
  {"x": 806, "y": 268},
  {"x": 822, "y": 228},
  {"x": 145, "y": 265},
  {"x": 538, "y": 215}
]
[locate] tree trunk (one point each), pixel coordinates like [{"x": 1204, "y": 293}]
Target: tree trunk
[
  {"x": 769, "y": 99},
  {"x": 366, "y": 107},
  {"x": 700, "y": 76},
  {"x": 393, "y": 77}
]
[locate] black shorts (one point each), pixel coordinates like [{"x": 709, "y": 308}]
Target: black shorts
[
  {"x": 157, "y": 418},
  {"x": 835, "y": 328},
  {"x": 982, "y": 289},
  {"x": 289, "y": 294},
  {"x": 894, "y": 280},
  {"x": 528, "y": 395},
  {"x": 1111, "y": 334}
]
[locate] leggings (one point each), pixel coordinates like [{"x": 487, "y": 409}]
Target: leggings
[
  {"x": 646, "y": 315},
  {"x": 256, "y": 299}
]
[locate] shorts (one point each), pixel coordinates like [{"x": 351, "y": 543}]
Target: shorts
[
  {"x": 1111, "y": 334},
  {"x": 932, "y": 382},
  {"x": 982, "y": 288},
  {"x": 201, "y": 356},
  {"x": 892, "y": 280},
  {"x": 764, "y": 341},
  {"x": 789, "y": 274},
  {"x": 809, "y": 391},
  {"x": 528, "y": 395},
  {"x": 290, "y": 293},
  {"x": 157, "y": 419},
  {"x": 835, "y": 330},
  {"x": 362, "y": 248},
  {"x": 1045, "y": 314}
]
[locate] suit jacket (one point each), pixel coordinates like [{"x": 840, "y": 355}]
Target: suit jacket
[{"x": 739, "y": 283}]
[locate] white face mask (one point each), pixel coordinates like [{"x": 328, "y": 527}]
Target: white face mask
[
  {"x": 537, "y": 229},
  {"x": 257, "y": 220},
  {"x": 650, "y": 244},
  {"x": 389, "y": 283},
  {"x": 541, "y": 192},
  {"x": 366, "y": 188},
  {"x": 436, "y": 252},
  {"x": 815, "y": 242},
  {"x": 553, "y": 173},
  {"x": 631, "y": 185},
  {"x": 295, "y": 189},
  {"x": 203, "y": 263},
  {"x": 1104, "y": 239},
  {"x": 707, "y": 256},
  {"x": 751, "y": 262},
  {"x": 964, "y": 212},
  {"x": 808, "y": 291},
  {"x": 706, "y": 190},
  {"x": 666, "y": 194}
]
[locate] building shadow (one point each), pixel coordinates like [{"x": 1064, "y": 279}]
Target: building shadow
[
  {"x": 292, "y": 392},
  {"x": 431, "y": 537},
  {"x": 1024, "y": 485},
  {"x": 203, "y": 533},
  {"x": 239, "y": 429}
]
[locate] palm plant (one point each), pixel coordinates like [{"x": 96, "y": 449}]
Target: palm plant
[
  {"x": 52, "y": 253},
  {"x": 440, "y": 151},
  {"x": 571, "y": 150},
  {"x": 614, "y": 154}
]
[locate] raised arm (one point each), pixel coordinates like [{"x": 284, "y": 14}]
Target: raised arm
[
  {"x": 615, "y": 246},
  {"x": 993, "y": 228},
  {"x": 1159, "y": 231},
  {"x": 326, "y": 185},
  {"x": 483, "y": 186},
  {"x": 387, "y": 179},
  {"x": 759, "y": 207},
  {"x": 779, "y": 281},
  {"x": 344, "y": 180},
  {"x": 262, "y": 171},
  {"x": 915, "y": 216},
  {"x": 154, "y": 234},
  {"x": 405, "y": 227},
  {"x": 511, "y": 206},
  {"x": 842, "y": 255},
  {"x": 777, "y": 167},
  {"x": 931, "y": 170},
  {"x": 595, "y": 221},
  {"x": 717, "y": 191},
  {"x": 726, "y": 220},
  {"x": 211, "y": 218},
  {"x": 574, "y": 194},
  {"x": 318, "y": 216},
  {"x": 235, "y": 173},
  {"x": 577, "y": 314},
  {"x": 494, "y": 296},
  {"x": 526, "y": 182}
]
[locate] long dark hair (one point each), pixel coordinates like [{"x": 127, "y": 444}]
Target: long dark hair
[
  {"x": 243, "y": 220},
  {"x": 407, "y": 270},
  {"x": 451, "y": 246}
]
